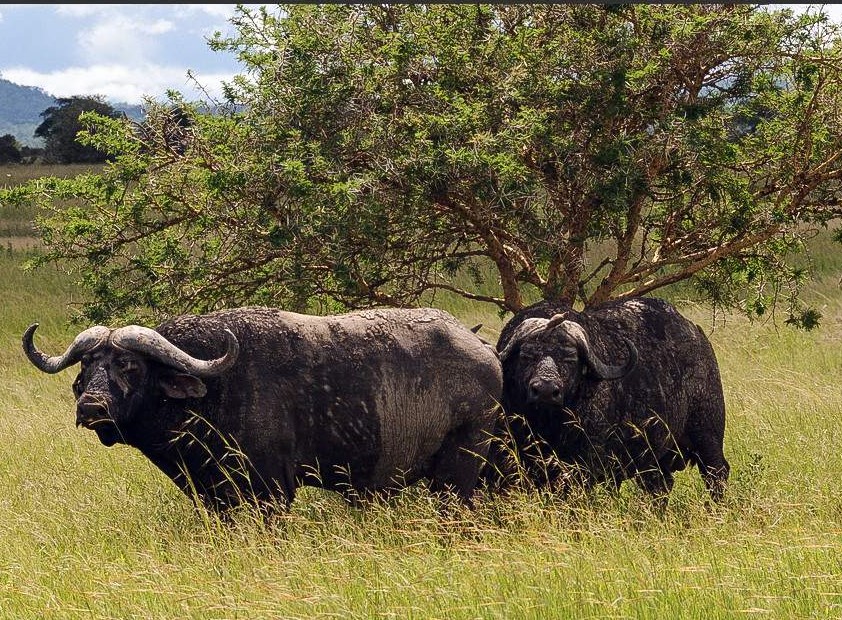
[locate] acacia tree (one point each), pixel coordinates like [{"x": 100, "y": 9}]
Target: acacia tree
[{"x": 370, "y": 154}]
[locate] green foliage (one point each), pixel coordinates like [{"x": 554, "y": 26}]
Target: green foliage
[
  {"x": 369, "y": 154},
  {"x": 63, "y": 121}
]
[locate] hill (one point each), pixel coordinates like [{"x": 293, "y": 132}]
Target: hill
[{"x": 21, "y": 107}]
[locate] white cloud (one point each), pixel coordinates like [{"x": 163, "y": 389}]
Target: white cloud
[
  {"x": 84, "y": 10},
  {"x": 118, "y": 82},
  {"x": 121, "y": 39},
  {"x": 833, "y": 11},
  {"x": 159, "y": 26},
  {"x": 218, "y": 11},
  {"x": 221, "y": 11},
  {"x": 122, "y": 51}
]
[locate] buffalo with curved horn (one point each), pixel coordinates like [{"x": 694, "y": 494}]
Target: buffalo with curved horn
[
  {"x": 251, "y": 403},
  {"x": 629, "y": 389},
  {"x": 131, "y": 338}
]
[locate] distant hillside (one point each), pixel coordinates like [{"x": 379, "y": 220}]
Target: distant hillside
[{"x": 21, "y": 107}]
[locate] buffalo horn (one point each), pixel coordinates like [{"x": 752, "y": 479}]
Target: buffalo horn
[
  {"x": 601, "y": 369},
  {"x": 522, "y": 331},
  {"x": 86, "y": 341},
  {"x": 144, "y": 340}
]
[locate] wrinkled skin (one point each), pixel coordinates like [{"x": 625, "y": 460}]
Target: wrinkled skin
[
  {"x": 566, "y": 423},
  {"x": 362, "y": 403}
]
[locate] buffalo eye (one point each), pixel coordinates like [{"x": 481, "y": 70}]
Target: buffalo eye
[
  {"x": 126, "y": 366},
  {"x": 77, "y": 385}
]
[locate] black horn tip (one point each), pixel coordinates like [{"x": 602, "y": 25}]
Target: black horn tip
[
  {"x": 27, "y": 336},
  {"x": 84, "y": 342},
  {"x": 618, "y": 372},
  {"x": 38, "y": 359}
]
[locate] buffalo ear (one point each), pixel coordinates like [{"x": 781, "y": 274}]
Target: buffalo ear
[{"x": 182, "y": 385}]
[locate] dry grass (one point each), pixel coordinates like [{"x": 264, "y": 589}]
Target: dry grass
[
  {"x": 12, "y": 175},
  {"x": 89, "y": 532}
]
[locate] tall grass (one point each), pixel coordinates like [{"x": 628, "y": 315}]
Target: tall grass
[
  {"x": 17, "y": 221},
  {"x": 94, "y": 532}
]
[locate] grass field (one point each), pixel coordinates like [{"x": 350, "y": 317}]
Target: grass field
[{"x": 93, "y": 532}]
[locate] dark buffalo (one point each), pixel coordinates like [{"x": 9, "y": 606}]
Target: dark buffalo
[
  {"x": 630, "y": 389},
  {"x": 249, "y": 404}
]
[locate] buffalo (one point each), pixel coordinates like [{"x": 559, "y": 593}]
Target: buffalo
[
  {"x": 248, "y": 404},
  {"x": 626, "y": 390}
]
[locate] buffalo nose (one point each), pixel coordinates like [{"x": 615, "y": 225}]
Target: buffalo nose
[
  {"x": 545, "y": 391},
  {"x": 90, "y": 411}
]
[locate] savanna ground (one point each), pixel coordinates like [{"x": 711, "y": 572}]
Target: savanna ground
[{"x": 91, "y": 532}]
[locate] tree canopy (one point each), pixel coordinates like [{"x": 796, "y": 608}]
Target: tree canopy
[
  {"x": 10, "y": 152},
  {"x": 373, "y": 154},
  {"x": 61, "y": 125}
]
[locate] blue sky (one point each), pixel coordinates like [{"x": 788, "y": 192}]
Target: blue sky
[
  {"x": 121, "y": 51},
  {"x": 124, "y": 51}
]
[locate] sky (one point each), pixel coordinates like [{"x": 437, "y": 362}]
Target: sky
[
  {"x": 126, "y": 51},
  {"x": 120, "y": 51}
]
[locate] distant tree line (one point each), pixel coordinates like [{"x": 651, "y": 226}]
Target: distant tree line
[
  {"x": 59, "y": 131},
  {"x": 13, "y": 152}
]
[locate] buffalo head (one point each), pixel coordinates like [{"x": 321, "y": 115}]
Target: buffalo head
[
  {"x": 550, "y": 358},
  {"x": 121, "y": 369}
]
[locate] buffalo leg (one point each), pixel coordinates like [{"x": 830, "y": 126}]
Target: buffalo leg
[
  {"x": 658, "y": 483},
  {"x": 713, "y": 467},
  {"x": 659, "y": 479},
  {"x": 458, "y": 462}
]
